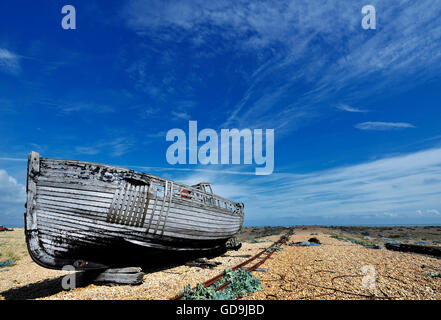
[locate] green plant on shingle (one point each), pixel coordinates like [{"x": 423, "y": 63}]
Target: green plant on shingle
[
  {"x": 7, "y": 263},
  {"x": 336, "y": 236},
  {"x": 273, "y": 248},
  {"x": 434, "y": 275},
  {"x": 242, "y": 283}
]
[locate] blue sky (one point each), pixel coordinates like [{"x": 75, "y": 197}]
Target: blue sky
[{"x": 356, "y": 112}]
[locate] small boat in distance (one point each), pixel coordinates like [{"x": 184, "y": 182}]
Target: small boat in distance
[{"x": 95, "y": 216}]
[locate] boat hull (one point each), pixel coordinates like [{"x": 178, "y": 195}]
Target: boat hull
[{"x": 93, "y": 216}]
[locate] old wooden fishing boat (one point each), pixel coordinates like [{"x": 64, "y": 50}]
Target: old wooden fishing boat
[{"x": 92, "y": 215}]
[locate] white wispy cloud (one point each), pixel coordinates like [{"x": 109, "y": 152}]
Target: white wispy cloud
[
  {"x": 349, "y": 108},
  {"x": 398, "y": 189},
  {"x": 398, "y": 185},
  {"x": 68, "y": 106},
  {"x": 428, "y": 213},
  {"x": 383, "y": 126},
  {"x": 13, "y": 159},
  {"x": 181, "y": 115},
  {"x": 298, "y": 44},
  {"x": 86, "y": 107},
  {"x": 115, "y": 147},
  {"x": 12, "y": 199},
  {"x": 9, "y": 62},
  {"x": 199, "y": 169}
]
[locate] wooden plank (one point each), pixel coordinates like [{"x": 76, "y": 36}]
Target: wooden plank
[
  {"x": 176, "y": 218},
  {"x": 45, "y": 182},
  {"x": 173, "y": 227},
  {"x": 203, "y": 263},
  {"x": 111, "y": 216},
  {"x": 191, "y": 225},
  {"x": 162, "y": 207},
  {"x": 83, "y": 184},
  {"x": 74, "y": 206},
  {"x": 124, "y": 270},
  {"x": 168, "y": 208},
  {"x": 70, "y": 191},
  {"x": 93, "y": 221},
  {"x": 145, "y": 207},
  {"x": 31, "y": 189},
  {"x": 415, "y": 248},
  {"x": 155, "y": 202},
  {"x": 89, "y": 203},
  {"x": 75, "y": 197},
  {"x": 172, "y": 231},
  {"x": 119, "y": 278}
]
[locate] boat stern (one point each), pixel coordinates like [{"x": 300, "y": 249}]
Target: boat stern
[{"x": 35, "y": 247}]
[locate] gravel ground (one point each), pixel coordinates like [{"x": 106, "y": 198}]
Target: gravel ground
[
  {"x": 331, "y": 271},
  {"x": 342, "y": 270}
]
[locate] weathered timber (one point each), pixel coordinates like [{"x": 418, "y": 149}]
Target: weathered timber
[
  {"x": 203, "y": 263},
  {"x": 264, "y": 270},
  {"x": 415, "y": 248},
  {"x": 238, "y": 256},
  {"x": 117, "y": 276},
  {"x": 108, "y": 215},
  {"x": 233, "y": 244}
]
